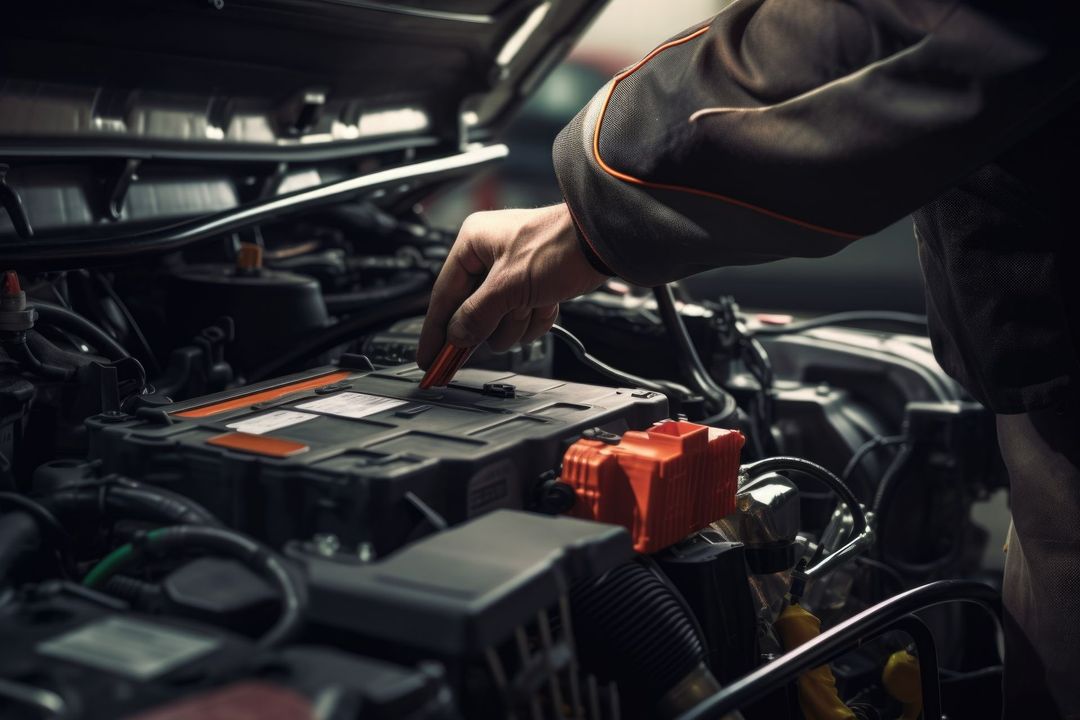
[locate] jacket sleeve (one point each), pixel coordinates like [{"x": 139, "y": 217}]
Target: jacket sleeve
[{"x": 784, "y": 128}]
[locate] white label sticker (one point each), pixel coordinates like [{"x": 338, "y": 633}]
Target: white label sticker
[
  {"x": 270, "y": 421},
  {"x": 352, "y": 405},
  {"x": 134, "y": 648}
]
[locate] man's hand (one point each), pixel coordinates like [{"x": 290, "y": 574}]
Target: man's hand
[{"x": 504, "y": 279}]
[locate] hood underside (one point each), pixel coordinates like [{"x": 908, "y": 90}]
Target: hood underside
[
  {"x": 218, "y": 76},
  {"x": 250, "y": 98}
]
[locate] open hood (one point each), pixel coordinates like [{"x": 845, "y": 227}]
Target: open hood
[{"x": 110, "y": 111}]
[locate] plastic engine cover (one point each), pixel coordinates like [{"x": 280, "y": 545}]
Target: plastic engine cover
[{"x": 362, "y": 453}]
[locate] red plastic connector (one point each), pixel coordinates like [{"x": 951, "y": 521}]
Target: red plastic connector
[
  {"x": 9, "y": 286},
  {"x": 662, "y": 484}
]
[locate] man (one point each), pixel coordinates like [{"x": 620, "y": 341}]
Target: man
[{"x": 787, "y": 128}]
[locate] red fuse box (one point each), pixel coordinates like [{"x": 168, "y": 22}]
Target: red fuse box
[{"x": 661, "y": 484}]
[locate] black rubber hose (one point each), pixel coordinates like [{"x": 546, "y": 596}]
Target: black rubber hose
[
  {"x": 132, "y": 590},
  {"x": 77, "y": 325},
  {"x": 631, "y": 628},
  {"x": 409, "y": 284},
  {"x": 686, "y": 354},
  {"x": 251, "y": 553},
  {"x": 131, "y": 502},
  {"x": 160, "y": 504},
  {"x": 18, "y": 534},
  {"x": 843, "y": 318},
  {"x": 25, "y": 357},
  {"x": 810, "y": 469},
  {"x": 345, "y": 331},
  {"x": 52, "y": 531}
]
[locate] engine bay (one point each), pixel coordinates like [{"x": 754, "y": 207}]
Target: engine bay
[{"x": 225, "y": 492}]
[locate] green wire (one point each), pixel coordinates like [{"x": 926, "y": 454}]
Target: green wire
[{"x": 113, "y": 561}]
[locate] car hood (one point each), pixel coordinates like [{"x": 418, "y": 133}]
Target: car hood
[{"x": 99, "y": 97}]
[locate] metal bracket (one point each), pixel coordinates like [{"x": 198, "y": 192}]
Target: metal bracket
[
  {"x": 896, "y": 613},
  {"x": 119, "y": 187},
  {"x": 272, "y": 181},
  {"x": 10, "y": 201}
]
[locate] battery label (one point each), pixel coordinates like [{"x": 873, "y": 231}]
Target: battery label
[
  {"x": 352, "y": 405},
  {"x": 134, "y": 648},
  {"x": 270, "y": 421}
]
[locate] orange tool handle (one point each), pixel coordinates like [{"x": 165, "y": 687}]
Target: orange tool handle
[{"x": 447, "y": 363}]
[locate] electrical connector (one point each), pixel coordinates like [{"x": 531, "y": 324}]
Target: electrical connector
[
  {"x": 15, "y": 316},
  {"x": 662, "y": 484}
]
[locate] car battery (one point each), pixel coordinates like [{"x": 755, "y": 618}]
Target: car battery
[{"x": 362, "y": 457}]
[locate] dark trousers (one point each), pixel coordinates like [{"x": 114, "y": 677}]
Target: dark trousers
[{"x": 1042, "y": 566}]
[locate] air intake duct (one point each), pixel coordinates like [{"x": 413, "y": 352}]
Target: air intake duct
[{"x": 634, "y": 629}]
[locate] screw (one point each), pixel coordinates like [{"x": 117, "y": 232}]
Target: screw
[{"x": 326, "y": 544}]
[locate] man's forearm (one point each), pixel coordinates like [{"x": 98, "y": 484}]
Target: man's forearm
[{"x": 784, "y": 128}]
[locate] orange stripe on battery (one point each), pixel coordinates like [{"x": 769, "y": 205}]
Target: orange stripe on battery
[
  {"x": 250, "y": 399},
  {"x": 258, "y": 444}
]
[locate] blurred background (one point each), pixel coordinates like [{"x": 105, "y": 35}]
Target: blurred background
[{"x": 879, "y": 272}]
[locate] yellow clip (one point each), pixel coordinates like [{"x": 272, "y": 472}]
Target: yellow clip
[
  {"x": 903, "y": 682},
  {"x": 818, "y": 697}
]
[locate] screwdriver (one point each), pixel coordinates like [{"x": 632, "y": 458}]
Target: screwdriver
[{"x": 445, "y": 367}]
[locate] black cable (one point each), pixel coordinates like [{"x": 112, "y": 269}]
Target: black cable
[
  {"x": 19, "y": 533},
  {"x": 20, "y": 351},
  {"x": 864, "y": 450},
  {"x": 884, "y": 569},
  {"x": 231, "y": 544},
  {"x": 345, "y": 331},
  {"x": 136, "y": 329},
  {"x": 888, "y": 483},
  {"x": 756, "y": 360},
  {"x": 128, "y": 500},
  {"x": 410, "y": 283},
  {"x": 674, "y": 392},
  {"x": 35, "y": 509},
  {"x": 80, "y": 327},
  {"x": 690, "y": 364},
  {"x": 83, "y": 329},
  {"x": 57, "y": 536},
  {"x": 843, "y": 318},
  {"x": 158, "y": 503},
  {"x": 819, "y": 473}
]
